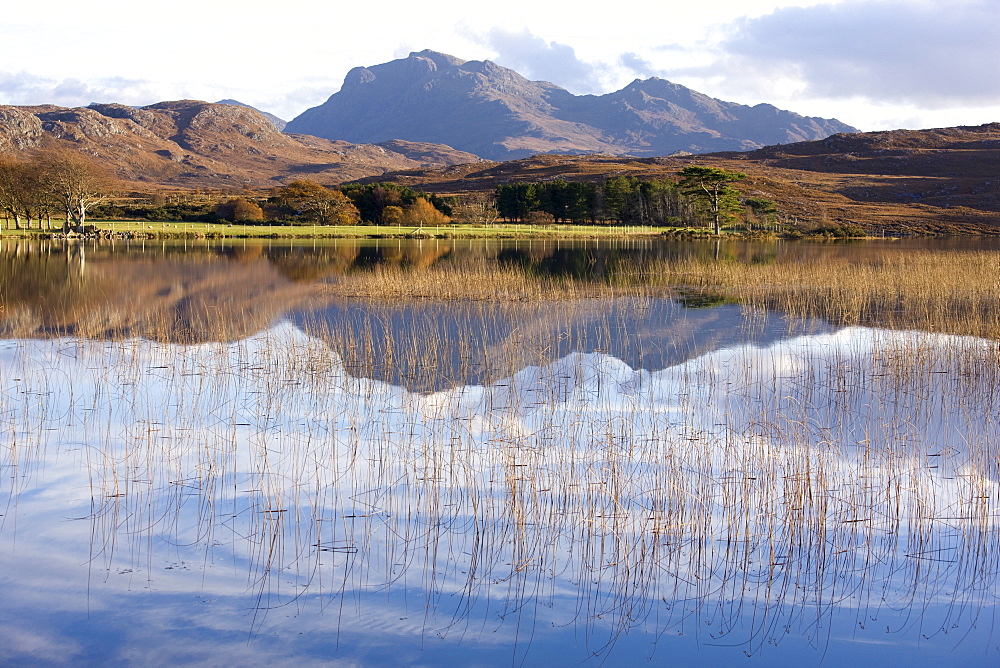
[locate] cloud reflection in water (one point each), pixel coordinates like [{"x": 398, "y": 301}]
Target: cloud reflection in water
[{"x": 254, "y": 500}]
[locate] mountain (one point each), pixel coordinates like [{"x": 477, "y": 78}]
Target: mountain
[
  {"x": 278, "y": 123},
  {"x": 194, "y": 144},
  {"x": 494, "y": 112}
]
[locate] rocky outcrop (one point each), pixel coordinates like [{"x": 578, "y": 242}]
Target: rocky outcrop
[
  {"x": 278, "y": 123},
  {"x": 19, "y": 129}
]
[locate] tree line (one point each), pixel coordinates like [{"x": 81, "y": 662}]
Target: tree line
[
  {"x": 52, "y": 183},
  {"x": 303, "y": 202},
  {"x": 69, "y": 184},
  {"x": 699, "y": 196},
  {"x": 622, "y": 199}
]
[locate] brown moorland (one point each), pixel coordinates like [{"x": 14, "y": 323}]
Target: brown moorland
[
  {"x": 941, "y": 181},
  {"x": 192, "y": 144}
]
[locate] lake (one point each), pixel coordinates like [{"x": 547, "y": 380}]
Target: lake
[{"x": 238, "y": 452}]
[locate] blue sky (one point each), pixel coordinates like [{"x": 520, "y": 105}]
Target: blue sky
[{"x": 876, "y": 64}]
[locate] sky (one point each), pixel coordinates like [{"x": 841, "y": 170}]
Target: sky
[{"x": 874, "y": 64}]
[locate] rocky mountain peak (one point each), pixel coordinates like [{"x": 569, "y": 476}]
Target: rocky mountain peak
[
  {"x": 495, "y": 112},
  {"x": 442, "y": 60}
]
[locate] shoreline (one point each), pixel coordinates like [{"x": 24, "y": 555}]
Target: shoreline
[{"x": 112, "y": 230}]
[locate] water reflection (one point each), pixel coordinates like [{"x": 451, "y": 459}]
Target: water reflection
[
  {"x": 186, "y": 292},
  {"x": 205, "y": 455},
  {"x": 227, "y": 292},
  {"x": 168, "y": 500}
]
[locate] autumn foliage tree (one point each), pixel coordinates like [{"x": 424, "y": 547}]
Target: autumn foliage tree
[
  {"x": 312, "y": 201},
  {"x": 386, "y": 203},
  {"x": 422, "y": 212},
  {"x": 240, "y": 210}
]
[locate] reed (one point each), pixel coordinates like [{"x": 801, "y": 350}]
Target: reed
[
  {"x": 579, "y": 492},
  {"x": 953, "y": 292},
  {"x": 950, "y": 292},
  {"x": 745, "y": 495}
]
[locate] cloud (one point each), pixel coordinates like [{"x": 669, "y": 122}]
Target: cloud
[
  {"x": 640, "y": 66},
  {"x": 927, "y": 54},
  {"x": 26, "y": 88},
  {"x": 537, "y": 59}
]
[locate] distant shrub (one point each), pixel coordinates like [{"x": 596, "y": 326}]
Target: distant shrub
[
  {"x": 539, "y": 218},
  {"x": 240, "y": 210}
]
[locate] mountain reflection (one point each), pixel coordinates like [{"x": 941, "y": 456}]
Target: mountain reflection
[
  {"x": 828, "y": 496},
  {"x": 200, "y": 293}
]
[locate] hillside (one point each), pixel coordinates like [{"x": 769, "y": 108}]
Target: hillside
[
  {"x": 494, "y": 112},
  {"x": 195, "y": 144},
  {"x": 278, "y": 123},
  {"x": 940, "y": 181}
]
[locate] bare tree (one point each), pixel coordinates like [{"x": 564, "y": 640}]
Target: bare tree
[
  {"x": 477, "y": 208},
  {"x": 21, "y": 192},
  {"x": 75, "y": 182}
]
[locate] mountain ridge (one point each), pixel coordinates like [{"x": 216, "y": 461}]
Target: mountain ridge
[
  {"x": 277, "y": 122},
  {"x": 191, "y": 143},
  {"x": 495, "y": 112}
]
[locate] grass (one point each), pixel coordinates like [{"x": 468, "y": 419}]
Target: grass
[
  {"x": 162, "y": 229},
  {"x": 939, "y": 291}
]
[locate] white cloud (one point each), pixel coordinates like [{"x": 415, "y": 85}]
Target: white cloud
[
  {"x": 538, "y": 59},
  {"x": 27, "y": 88}
]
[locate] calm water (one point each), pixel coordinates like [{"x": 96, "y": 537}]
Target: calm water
[{"x": 259, "y": 472}]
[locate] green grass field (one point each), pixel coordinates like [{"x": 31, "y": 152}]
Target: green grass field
[{"x": 221, "y": 230}]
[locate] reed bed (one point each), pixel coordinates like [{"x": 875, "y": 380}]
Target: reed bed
[
  {"x": 940, "y": 291},
  {"x": 750, "y": 497},
  {"x": 952, "y": 292},
  {"x": 474, "y": 279},
  {"x": 746, "y": 495}
]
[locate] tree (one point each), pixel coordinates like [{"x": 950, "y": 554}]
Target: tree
[
  {"x": 314, "y": 202},
  {"x": 516, "y": 200},
  {"x": 75, "y": 182},
  {"x": 372, "y": 199},
  {"x": 762, "y": 209},
  {"x": 392, "y": 215},
  {"x": 240, "y": 210},
  {"x": 709, "y": 186},
  {"x": 421, "y": 213},
  {"x": 21, "y": 192},
  {"x": 477, "y": 209},
  {"x": 342, "y": 210}
]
